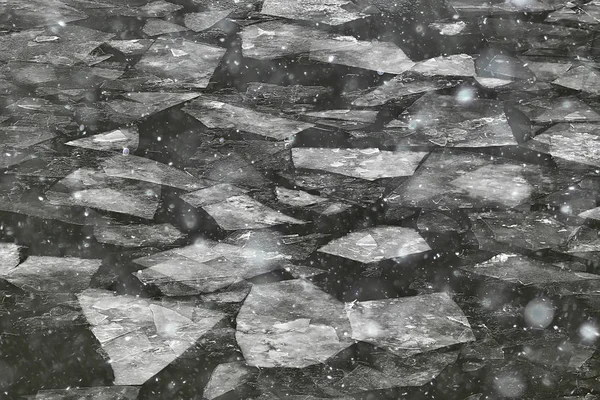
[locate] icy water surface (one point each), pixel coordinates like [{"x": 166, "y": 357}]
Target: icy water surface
[{"x": 301, "y": 199}]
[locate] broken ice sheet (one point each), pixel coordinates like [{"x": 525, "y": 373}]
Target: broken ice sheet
[
  {"x": 226, "y": 378},
  {"x": 383, "y": 57},
  {"x": 335, "y": 12},
  {"x": 95, "y": 189},
  {"x": 137, "y": 235},
  {"x": 368, "y": 164},
  {"x": 52, "y": 274},
  {"x": 191, "y": 64},
  {"x": 97, "y": 392},
  {"x": 235, "y": 212},
  {"x": 410, "y": 325},
  {"x": 116, "y": 140},
  {"x": 160, "y": 8},
  {"x": 205, "y": 267},
  {"x": 547, "y": 69},
  {"x": 377, "y": 244},
  {"x": 532, "y": 231},
  {"x": 456, "y": 179},
  {"x": 143, "y": 104},
  {"x": 142, "y": 336},
  {"x": 276, "y": 39},
  {"x": 309, "y": 203},
  {"x": 387, "y": 371},
  {"x": 578, "y": 142},
  {"x": 291, "y": 324},
  {"x": 585, "y": 244},
  {"x": 526, "y": 271},
  {"x": 354, "y": 191},
  {"x": 587, "y": 14},
  {"x": 292, "y": 247},
  {"x": 215, "y": 114},
  {"x": 453, "y": 65},
  {"x": 74, "y": 45},
  {"x": 203, "y": 20},
  {"x": 147, "y": 170},
  {"x": 583, "y": 78},
  {"x": 400, "y": 87},
  {"x": 594, "y": 214},
  {"x": 448, "y": 121}
]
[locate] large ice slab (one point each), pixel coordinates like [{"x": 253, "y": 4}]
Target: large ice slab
[
  {"x": 143, "y": 336},
  {"x": 216, "y": 114},
  {"x": 95, "y": 189},
  {"x": 369, "y": 164},
  {"x": 191, "y": 64},
  {"x": 52, "y": 274},
  {"x": 458, "y": 179},
  {"x": 377, "y": 244},
  {"x": 205, "y": 267},
  {"x": 291, "y": 324},
  {"x": 410, "y": 325}
]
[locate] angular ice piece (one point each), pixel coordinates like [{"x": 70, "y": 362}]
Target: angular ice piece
[
  {"x": 369, "y": 164},
  {"x": 95, "y": 189},
  {"x": 517, "y": 269},
  {"x": 410, "y": 325},
  {"x": 216, "y": 114},
  {"x": 377, "y": 244},
  {"x": 531, "y": 231},
  {"x": 73, "y": 47},
  {"x": 226, "y": 378},
  {"x": 401, "y": 87},
  {"x": 291, "y": 324},
  {"x": 117, "y": 140},
  {"x": 144, "y": 104},
  {"x": 243, "y": 212},
  {"x": 52, "y": 274},
  {"x": 206, "y": 267},
  {"x": 331, "y": 12},
  {"x": 147, "y": 170},
  {"x": 190, "y": 63},
  {"x": 458, "y": 179},
  {"x": 581, "y": 78},
  {"x": 143, "y": 336},
  {"x": 454, "y": 65},
  {"x": 275, "y": 39},
  {"x": 574, "y": 142},
  {"x": 447, "y": 121}
]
